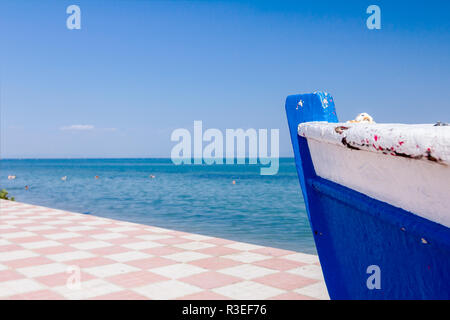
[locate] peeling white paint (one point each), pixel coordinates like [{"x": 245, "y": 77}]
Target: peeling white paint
[{"x": 413, "y": 175}]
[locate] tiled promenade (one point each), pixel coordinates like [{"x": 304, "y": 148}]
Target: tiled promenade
[{"x": 54, "y": 254}]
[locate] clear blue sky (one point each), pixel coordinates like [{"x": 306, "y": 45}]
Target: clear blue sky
[{"x": 139, "y": 69}]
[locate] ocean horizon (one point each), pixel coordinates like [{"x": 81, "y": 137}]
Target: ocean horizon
[{"x": 203, "y": 199}]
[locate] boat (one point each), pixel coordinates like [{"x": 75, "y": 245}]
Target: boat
[{"x": 378, "y": 201}]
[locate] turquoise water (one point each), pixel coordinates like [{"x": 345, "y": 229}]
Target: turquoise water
[{"x": 265, "y": 210}]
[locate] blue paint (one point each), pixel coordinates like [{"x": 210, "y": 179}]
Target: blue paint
[{"x": 353, "y": 231}]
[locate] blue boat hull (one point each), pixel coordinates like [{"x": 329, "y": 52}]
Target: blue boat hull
[{"x": 354, "y": 232}]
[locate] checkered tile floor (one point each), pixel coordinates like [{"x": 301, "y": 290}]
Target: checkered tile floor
[{"x": 54, "y": 254}]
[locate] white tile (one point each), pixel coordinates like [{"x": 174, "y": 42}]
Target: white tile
[
  {"x": 316, "y": 290},
  {"x": 248, "y": 290},
  {"x": 154, "y": 236},
  {"x": 8, "y": 217},
  {"x": 6, "y": 226},
  {"x": 62, "y": 235},
  {"x": 57, "y": 222},
  {"x": 53, "y": 212},
  {"x": 122, "y": 229},
  {"x": 20, "y": 221},
  {"x": 247, "y": 257},
  {"x": 38, "y": 228},
  {"x": 4, "y": 242},
  {"x": 13, "y": 287},
  {"x": 158, "y": 230},
  {"x": 128, "y": 256},
  {"x": 110, "y": 270},
  {"x": 194, "y": 245},
  {"x": 17, "y": 254},
  {"x": 196, "y": 237},
  {"x": 309, "y": 271},
  {"x": 108, "y": 236},
  {"x": 179, "y": 270},
  {"x": 247, "y": 271},
  {"x": 72, "y": 217},
  {"x": 79, "y": 228},
  {"x": 243, "y": 246},
  {"x": 167, "y": 290},
  {"x": 38, "y": 217},
  {"x": 186, "y": 256},
  {"x": 72, "y": 255},
  {"x": 142, "y": 245},
  {"x": 40, "y": 244},
  {"x": 302, "y": 257},
  {"x": 88, "y": 289},
  {"x": 88, "y": 245},
  {"x": 43, "y": 270},
  {"x": 14, "y": 235},
  {"x": 95, "y": 222}
]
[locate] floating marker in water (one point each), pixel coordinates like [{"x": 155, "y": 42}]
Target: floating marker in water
[{"x": 64, "y": 178}]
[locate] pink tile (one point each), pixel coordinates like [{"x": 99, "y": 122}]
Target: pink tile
[
  {"x": 204, "y": 295},
  {"x": 109, "y": 250},
  {"x": 121, "y": 241},
  {"x": 218, "y": 251},
  {"x": 10, "y": 247},
  {"x": 162, "y": 251},
  {"x": 92, "y": 262},
  {"x": 178, "y": 233},
  {"x": 210, "y": 280},
  {"x": 134, "y": 233},
  {"x": 121, "y": 295},
  {"x": 53, "y": 250},
  {"x": 215, "y": 263},
  {"x": 174, "y": 240},
  {"x": 73, "y": 240},
  {"x": 6, "y": 275},
  {"x": 29, "y": 239},
  {"x": 218, "y": 241},
  {"x": 91, "y": 232},
  {"x": 150, "y": 263},
  {"x": 60, "y": 279},
  {"x": 28, "y": 262},
  {"x": 285, "y": 281},
  {"x": 48, "y": 231},
  {"x": 279, "y": 264},
  {"x": 291, "y": 296},
  {"x": 273, "y": 251},
  {"x": 136, "y": 279},
  {"x": 38, "y": 295},
  {"x": 12, "y": 230}
]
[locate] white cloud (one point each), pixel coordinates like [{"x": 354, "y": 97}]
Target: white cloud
[{"x": 79, "y": 127}]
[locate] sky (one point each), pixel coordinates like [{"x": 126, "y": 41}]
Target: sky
[{"x": 137, "y": 70}]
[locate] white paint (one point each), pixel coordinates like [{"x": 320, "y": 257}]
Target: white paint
[
  {"x": 419, "y": 186},
  {"x": 413, "y": 140}
]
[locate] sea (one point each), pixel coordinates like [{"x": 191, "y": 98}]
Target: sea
[{"x": 202, "y": 199}]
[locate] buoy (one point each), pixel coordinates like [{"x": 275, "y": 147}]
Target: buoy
[
  {"x": 96, "y": 177},
  {"x": 64, "y": 178}
]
